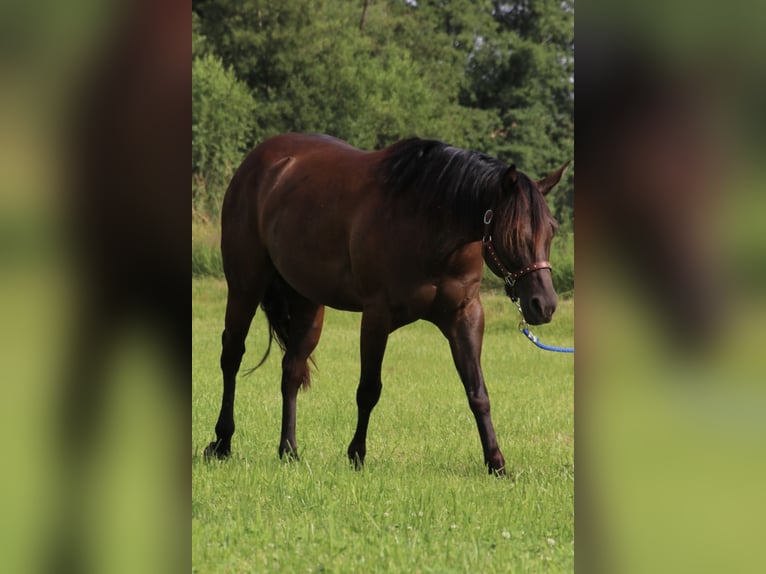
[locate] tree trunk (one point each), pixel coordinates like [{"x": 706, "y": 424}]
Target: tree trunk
[{"x": 364, "y": 14}]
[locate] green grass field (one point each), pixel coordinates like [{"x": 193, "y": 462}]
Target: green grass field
[{"x": 424, "y": 502}]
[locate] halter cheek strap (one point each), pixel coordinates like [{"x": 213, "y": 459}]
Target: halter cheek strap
[{"x": 509, "y": 277}]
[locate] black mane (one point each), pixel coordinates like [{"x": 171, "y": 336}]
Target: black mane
[
  {"x": 467, "y": 183},
  {"x": 442, "y": 176}
]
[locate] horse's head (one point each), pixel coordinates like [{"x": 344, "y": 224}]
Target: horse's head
[{"x": 518, "y": 242}]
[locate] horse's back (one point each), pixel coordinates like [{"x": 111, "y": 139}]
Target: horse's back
[
  {"x": 284, "y": 163},
  {"x": 303, "y": 145},
  {"x": 299, "y": 171}
]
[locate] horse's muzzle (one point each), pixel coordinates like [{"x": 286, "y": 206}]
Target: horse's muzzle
[{"x": 540, "y": 309}]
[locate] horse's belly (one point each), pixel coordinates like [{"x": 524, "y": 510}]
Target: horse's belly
[
  {"x": 337, "y": 295},
  {"x": 323, "y": 284},
  {"x": 310, "y": 248}
]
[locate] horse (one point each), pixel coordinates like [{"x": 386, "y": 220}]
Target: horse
[{"x": 399, "y": 234}]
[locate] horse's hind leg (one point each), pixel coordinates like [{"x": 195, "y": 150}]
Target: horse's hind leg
[
  {"x": 240, "y": 309},
  {"x": 304, "y": 329}
]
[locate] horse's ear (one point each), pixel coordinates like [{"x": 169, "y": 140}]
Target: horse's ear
[
  {"x": 549, "y": 181},
  {"x": 510, "y": 177}
]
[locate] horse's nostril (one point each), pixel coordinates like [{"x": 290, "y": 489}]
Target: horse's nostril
[{"x": 542, "y": 308}]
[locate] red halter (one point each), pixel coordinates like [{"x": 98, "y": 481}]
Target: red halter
[{"x": 509, "y": 277}]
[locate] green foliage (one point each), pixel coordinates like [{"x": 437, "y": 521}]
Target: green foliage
[
  {"x": 562, "y": 260},
  {"x": 222, "y": 110},
  {"x": 200, "y": 45},
  {"x": 525, "y": 71},
  {"x": 341, "y": 84}
]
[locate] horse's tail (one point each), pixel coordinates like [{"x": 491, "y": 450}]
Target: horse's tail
[{"x": 275, "y": 304}]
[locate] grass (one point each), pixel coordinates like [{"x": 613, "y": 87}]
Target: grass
[
  {"x": 206, "y": 250},
  {"x": 424, "y": 502}
]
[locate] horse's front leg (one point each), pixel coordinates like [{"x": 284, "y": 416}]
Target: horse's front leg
[
  {"x": 376, "y": 326},
  {"x": 465, "y": 330}
]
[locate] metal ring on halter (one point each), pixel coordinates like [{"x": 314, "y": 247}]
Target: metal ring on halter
[
  {"x": 487, "y": 217},
  {"x": 523, "y": 325}
]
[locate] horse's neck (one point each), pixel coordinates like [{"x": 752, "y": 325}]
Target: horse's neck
[{"x": 452, "y": 236}]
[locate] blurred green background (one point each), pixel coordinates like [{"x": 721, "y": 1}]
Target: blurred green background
[{"x": 670, "y": 424}]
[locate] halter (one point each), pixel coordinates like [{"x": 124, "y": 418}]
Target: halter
[{"x": 509, "y": 277}]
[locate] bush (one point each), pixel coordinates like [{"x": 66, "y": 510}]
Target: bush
[
  {"x": 222, "y": 122},
  {"x": 562, "y": 260}
]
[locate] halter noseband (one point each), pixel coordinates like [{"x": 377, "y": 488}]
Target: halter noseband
[{"x": 509, "y": 277}]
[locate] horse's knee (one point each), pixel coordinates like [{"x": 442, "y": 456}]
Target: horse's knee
[
  {"x": 479, "y": 404},
  {"x": 367, "y": 395}
]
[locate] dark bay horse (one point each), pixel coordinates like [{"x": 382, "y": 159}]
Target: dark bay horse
[{"x": 399, "y": 235}]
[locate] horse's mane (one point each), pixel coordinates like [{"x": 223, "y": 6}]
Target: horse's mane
[{"x": 440, "y": 176}]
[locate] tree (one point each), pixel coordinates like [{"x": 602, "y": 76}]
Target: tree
[
  {"x": 507, "y": 70},
  {"x": 525, "y": 71},
  {"x": 311, "y": 68}
]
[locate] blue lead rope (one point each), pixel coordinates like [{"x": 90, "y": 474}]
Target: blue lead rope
[
  {"x": 523, "y": 328},
  {"x": 537, "y": 342}
]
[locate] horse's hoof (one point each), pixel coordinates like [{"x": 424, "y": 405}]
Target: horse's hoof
[
  {"x": 289, "y": 454},
  {"x": 356, "y": 461},
  {"x": 497, "y": 472},
  {"x": 217, "y": 449}
]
